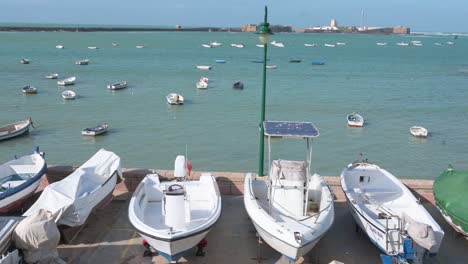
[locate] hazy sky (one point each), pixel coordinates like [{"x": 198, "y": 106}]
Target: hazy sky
[{"x": 420, "y": 15}]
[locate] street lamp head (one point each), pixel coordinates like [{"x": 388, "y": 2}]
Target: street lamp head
[{"x": 264, "y": 32}]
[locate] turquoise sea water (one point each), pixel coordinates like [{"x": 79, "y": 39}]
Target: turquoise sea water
[{"x": 393, "y": 87}]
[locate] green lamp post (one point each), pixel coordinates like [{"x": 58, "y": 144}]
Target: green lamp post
[{"x": 264, "y": 33}]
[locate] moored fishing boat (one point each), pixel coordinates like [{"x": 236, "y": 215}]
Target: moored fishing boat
[
  {"x": 82, "y": 62},
  {"x": 175, "y": 99},
  {"x": 292, "y": 209},
  {"x": 239, "y": 46},
  {"x": 203, "y": 67},
  {"x": 29, "y": 89},
  {"x": 19, "y": 179},
  {"x": 24, "y": 61},
  {"x": 389, "y": 214},
  {"x": 329, "y": 45},
  {"x": 271, "y": 67},
  {"x": 52, "y": 76},
  {"x": 15, "y": 129},
  {"x": 451, "y": 198},
  {"x": 202, "y": 85},
  {"x": 418, "y": 131},
  {"x": 208, "y": 46},
  {"x": 92, "y": 47},
  {"x": 117, "y": 86},
  {"x": 140, "y": 46},
  {"x": 67, "y": 81},
  {"x": 68, "y": 94},
  {"x": 72, "y": 199},
  {"x": 310, "y": 45},
  {"x": 94, "y": 131},
  {"x": 173, "y": 217},
  {"x": 277, "y": 44},
  {"x": 215, "y": 44},
  {"x": 355, "y": 120},
  {"x": 59, "y": 46},
  {"x": 220, "y": 61}
]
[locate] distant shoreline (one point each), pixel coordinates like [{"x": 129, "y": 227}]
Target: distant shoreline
[{"x": 114, "y": 29}]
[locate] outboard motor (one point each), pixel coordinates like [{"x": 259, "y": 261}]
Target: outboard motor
[
  {"x": 180, "y": 168},
  {"x": 175, "y": 206}
]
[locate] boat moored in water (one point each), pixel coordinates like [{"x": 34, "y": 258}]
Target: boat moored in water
[
  {"x": 92, "y": 47},
  {"x": 202, "y": 85},
  {"x": 67, "y": 81},
  {"x": 82, "y": 62},
  {"x": 174, "y": 216},
  {"x": 277, "y": 44},
  {"x": 239, "y": 46},
  {"x": 59, "y": 47},
  {"x": 355, "y": 120},
  {"x": 24, "y": 61},
  {"x": 68, "y": 94},
  {"x": 15, "y": 129},
  {"x": 19, "y": 179},
  {"x": 117, "y": 86},
  {"x": 29, "y": 89},
  {"x": 175, "y": 99},
  {"x": 418, "y": 131},
  {"x": 238, "y": 85},
  {"x": 52, "y": 76},
  {"x": 292, "y": 209},
  {"x": 203, "y": 67},
  {"x": 94, "y": 131}
]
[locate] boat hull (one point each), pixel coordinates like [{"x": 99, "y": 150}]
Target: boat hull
[
  {"x": 13, "y": 202},
  {"x": 174, "y": 250},
  {"x": 16, "y": 133},
  {"x": 457, "y": 228}
]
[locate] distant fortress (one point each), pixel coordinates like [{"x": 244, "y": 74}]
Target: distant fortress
[{"x": 332, "y": 28}]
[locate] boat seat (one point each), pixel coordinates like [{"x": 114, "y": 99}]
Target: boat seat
[{"x": 152, "y": 191}]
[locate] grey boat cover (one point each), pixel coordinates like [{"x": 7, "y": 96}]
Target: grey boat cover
[
  {"x": 10, "y": 258},
  {"x": 421, "y": 233},
  {"x": 289, "y": 170},
  {"x": 72, "y": 199},
  {"x": 38, "y": 236}
]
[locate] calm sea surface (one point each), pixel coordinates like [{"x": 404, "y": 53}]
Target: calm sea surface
[{"x": 393, "y": 87}]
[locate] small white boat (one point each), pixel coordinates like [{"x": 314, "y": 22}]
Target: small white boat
[
  {"x": 115, "y": 44},
  {"x": 140, "y": 46},
  {"x": 15, "y": 129},
  {"x": 438, "y": 44},
  {"x": 239, "y": 46},
  {"x": 52, "y": 76},
  {"x": 202, "y": 85},
  {"x": 67, "y": 81},
  {"x": 72, "y": 199},
  {"x": 94, "y": 131},
  {"x": 29, "y": 89},
  {"x": 82, "y": 62},
  {"x": 59, "y": 46},
  {"x": 208, "y": 46},
  {"x": 329, "y": 45},
  {"x": 271, "y": 66},
  {"x": 355, "y": 120},
  {"x": 417, "y": 44},
  {"x": 402, "y": 44},
  {"x": 384, "y": 208},
  {"x": 418, "y": 131},
  {"x": 68, "y": 94},
  {"x": 203, "y": 67},
  {"x": 117, "y": 86},
  {"x": 382, "y": 43},
  {"x": 220, "y": 61},
  {"x": 450, "y": 43},
  {"x": 310, "y": 45},
  {"x": 277, "y": 44},
  {"x": 24, "y": 61},
  {"x": 173, "y": 217},
  {"x": 19, "y": 179},
  {"x": 341, "y": 43},
  {"x": 174, "y": 99},
  {"x": 292, "y": 209},
  {"x": 215, "y": 44},
  {"x": 92, "y": 47},
  {"x": 260, "y": 45}
]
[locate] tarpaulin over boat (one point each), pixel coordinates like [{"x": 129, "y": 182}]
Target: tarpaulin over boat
[
  {"x": 72, "y": 199},
  {"x": 451, "y": 196}
]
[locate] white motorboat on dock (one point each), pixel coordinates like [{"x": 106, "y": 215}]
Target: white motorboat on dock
[
  {"x": 173, "y": 217},
  {"x": 389, "y": 214},
  {"x": 292, "y": 209}
]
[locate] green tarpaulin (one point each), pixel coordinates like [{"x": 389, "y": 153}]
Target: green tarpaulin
[{"x": 451, "y": 196}]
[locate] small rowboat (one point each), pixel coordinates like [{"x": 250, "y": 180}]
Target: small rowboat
[
  {"x": 92, "y": 47},
  {"x": 68, "y": 94},
  {"x": 67, "y": 81},
  {"x": 310, "y": 45},
  {"x": 15, "y": 129},
  {"x": 355, "y": 120},
  {"x": 418, "y": 131},
  {"x": 117, "y": 86},
  {"x": 82, "y": 62},
  {"x": 203, "y": 67},
  {"x": 24, "y": 61},
  {"x": 94, "y": 131},
  {"x": 174, "y": 99},
  {"x": 208, "y": 46},
  {"x": 52, "y": 76},
  {"x": 140, "y": 46},
  {"x": 59, "y": 46},
  {"x": 29, "y": 89},
  {"x": 19, "y": 179},
  {"x": 239, "y": 46}
]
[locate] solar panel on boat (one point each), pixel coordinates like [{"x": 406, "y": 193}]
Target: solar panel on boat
[{"x": 290, "y": 129}]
